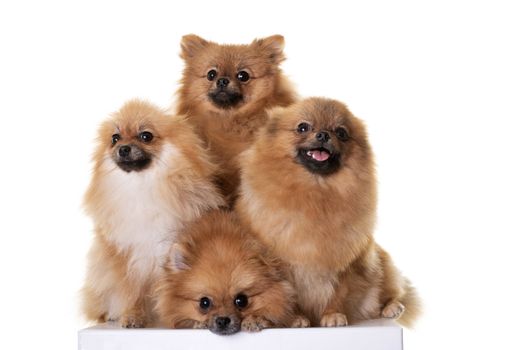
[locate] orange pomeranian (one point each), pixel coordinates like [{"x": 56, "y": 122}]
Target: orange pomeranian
[
  {"x": 225, "y": 90},
  {"x": 308, "y": 191},
  {"x": 219, "y": 277},
  {"x": 151, "y": 175}
]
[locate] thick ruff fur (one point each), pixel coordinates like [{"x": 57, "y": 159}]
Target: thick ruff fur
[
  {"x": 319, "y": 217},
  {"x": 216, "y": 259},
  {"x": 138, "y": 209},
  {"x": 229, "y": 128}
]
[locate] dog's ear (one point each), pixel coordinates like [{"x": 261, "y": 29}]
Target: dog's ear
[
  {"x": 177, "y": 261},
  {"x": 272, "y": 46},
  {"x": 191, "y": 44}
]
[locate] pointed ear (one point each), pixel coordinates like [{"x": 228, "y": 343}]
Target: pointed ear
[
  {"x": 273, "y": 46},
  {"x": 191, "y": 44},
  {"x": 177, "y": 260}
]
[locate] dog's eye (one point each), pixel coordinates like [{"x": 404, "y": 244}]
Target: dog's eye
[
  {"x": 243, "y": 76},
  {"x": 211, "y": 75},
  {"x": 205, "y": 303},
  {"x": 342, "y": 134},
  {"x": 146, "y": 136},
  {"x": 303, "y": 127},
  {"x": 241, "y": 301},
  {"x": 115, "y": 138}
]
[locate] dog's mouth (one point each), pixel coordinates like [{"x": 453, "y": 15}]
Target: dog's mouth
[
  {"x": 134, "y": 165},
  {"x": 319, "y": 160},
  {"x": 130, "y": 157},
  {"x": 319, "y": 154},
  {"x": 226, "y": 331},
  {"x": 225, "y": 99}
]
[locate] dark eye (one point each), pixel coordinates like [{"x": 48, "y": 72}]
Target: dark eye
[
  {"x": 342, "y": 134},
  {"x": 211, "y": 75},
  {"x": 303, "y": 127},
  {"x": 243, "y": 76},
  {"x": 145, "y": 136},
  {"x": 115, "y": 138},
  {"x": 205, "y": 303},
  {"x": 241, "y": 301}
]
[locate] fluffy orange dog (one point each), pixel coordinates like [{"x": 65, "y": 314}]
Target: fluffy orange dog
[
  {"x": 220, "y": 278},
  {"x": 308, "y": 190},
  {"x": 225, "y": 90},
  {"x": 151, "y": 175}
]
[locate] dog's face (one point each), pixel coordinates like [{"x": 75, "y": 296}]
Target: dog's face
[
  {"x": 218, "y": 277},
  {"x": 319, "y": 134},
  {"x": 223, "y": 285},
  {"x": 223, "y": 295},
  {"x": 133, "y": 138},
  {"x": 226, "y": 78}
]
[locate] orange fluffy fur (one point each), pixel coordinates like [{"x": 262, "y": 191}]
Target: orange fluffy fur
[
  {"x": 322, "y": 225},
  {"x": 217, "y": 259},
  {"x": 230, "y": 130},
  {"x": 137, "y": 213}
]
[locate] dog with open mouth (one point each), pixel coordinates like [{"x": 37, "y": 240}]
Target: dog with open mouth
[
  {"x": 225, "y": 91},
  {"x": 220, "y": 278},
  {"x": 308, "y": 191},
  {"x": 151, "y": 175}
]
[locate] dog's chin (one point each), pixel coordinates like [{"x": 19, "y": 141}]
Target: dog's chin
[
  {"x": 319, "y": 160},
  {"x": 225, "y": 331},
  {"x": 231, "y": 329},
  {"x": 134, "y": 165},
  {"x": 225, "y": 99}
]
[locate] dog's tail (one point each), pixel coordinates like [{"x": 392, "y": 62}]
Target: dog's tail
[{"x": 413, "y": 306}]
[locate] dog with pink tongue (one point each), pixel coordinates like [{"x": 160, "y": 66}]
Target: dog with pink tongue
[{"x": 308, "y": 191}]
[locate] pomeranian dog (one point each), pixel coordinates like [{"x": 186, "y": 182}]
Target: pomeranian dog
[
  {"x": 225, "y": 90},
  {"x": 151, "y": 175},
  {"x": 219, "y": 277},
  {"x": 308, "y": 191}
]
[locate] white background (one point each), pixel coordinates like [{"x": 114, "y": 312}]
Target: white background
[{"x": 431, "y": 80}]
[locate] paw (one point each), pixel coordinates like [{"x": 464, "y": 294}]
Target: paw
[
  {"x": 190, "y": 324},
  {"x": 334, "y": 320},
  {"x": 198, "y": 325},
  {"x": 300, "y": 322},
  {"x": 393, "y": 310},
  {"x": 132, "y": 321},
  {"x": 254, "y": 324}
]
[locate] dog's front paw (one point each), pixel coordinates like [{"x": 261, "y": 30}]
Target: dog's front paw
[
  {"x": 254, "y": 323},
  {"x": 190, "y": 324},
  {"x": 198, "y": 325},
  {"x": 300, "y": 322},
  {"x": 393, "y": 310},
  {"x": 335, "y": 319},
  {"x": 132, "y": 321}
]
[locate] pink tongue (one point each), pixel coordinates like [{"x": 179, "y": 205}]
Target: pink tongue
[{"x": 319, "y": 155}]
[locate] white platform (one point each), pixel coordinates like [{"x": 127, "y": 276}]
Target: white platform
[{"x": 372, "y": 335}]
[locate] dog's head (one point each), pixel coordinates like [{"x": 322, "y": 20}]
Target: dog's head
[
  {"x": 225, "y": 78},
  {"x": 321, "y": 135},
  {"x": 134, "y": 136},
  {"x": 218, "y": 275}
]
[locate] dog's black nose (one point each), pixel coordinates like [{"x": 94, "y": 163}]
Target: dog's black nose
[
  {"x": 222, "y": 82},
  {"x": 222, "y": 322},
  {"x": 322, "y": 136},
  {"x": 124, "y": 151}
]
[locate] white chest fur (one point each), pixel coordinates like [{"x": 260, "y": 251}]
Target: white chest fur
[{"x": 137, "y": 218}]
